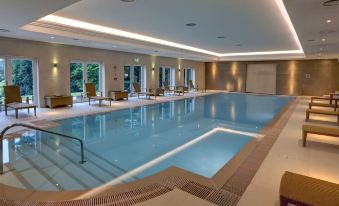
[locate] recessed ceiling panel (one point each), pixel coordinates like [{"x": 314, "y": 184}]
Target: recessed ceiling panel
[{"x": 245, "y": 26}]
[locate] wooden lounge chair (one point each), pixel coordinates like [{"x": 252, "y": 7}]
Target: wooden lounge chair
[
  {"x": 137, "y": 89},
  {"x": 91, "y": 94},
  {"x": 322, "y": 112},
  {"x": 167, "y": 88},
  {"x": 191, "y": 86},
  {"x": 13, "y": 100},
  {"x": 179, "y": 90},
  {"x": 316, "y": 104},
  {"x": 301, "y": 190},
  {"x": 157, "y": 92},
  {"x": 320, "y": 130}
]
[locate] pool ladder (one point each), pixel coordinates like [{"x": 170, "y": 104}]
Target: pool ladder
[{"x": 2, "y": 135}]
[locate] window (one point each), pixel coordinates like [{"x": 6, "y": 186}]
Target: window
[
  {"x": 127, "y": 78},
  {"x": 136, "y": 73},
  {"x": 2, "y": 78},
  {"x": 21, "y": 72},
  {"x": 81, "y": 72},
  {"x": 22, "y": 75},
  {"x": 77, "y": 80},
  {"x": 166, "y": 74},
  {"x": 189, "y": 74},
  {"x": 93, "y": 75}
]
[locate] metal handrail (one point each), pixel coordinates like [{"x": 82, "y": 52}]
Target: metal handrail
[{"x": 2, "y": 135}]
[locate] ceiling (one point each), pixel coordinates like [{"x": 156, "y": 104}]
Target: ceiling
[
  {"x": 247, "y": 27},
  {"x": 309, "y": 19}
]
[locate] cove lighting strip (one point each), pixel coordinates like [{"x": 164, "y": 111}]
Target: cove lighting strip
[
  {"x": 138, "y": 170},
  {"x": 140, "y": 37}
]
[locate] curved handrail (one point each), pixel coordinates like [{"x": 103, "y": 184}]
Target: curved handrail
[{"x": 2, "y": 134}]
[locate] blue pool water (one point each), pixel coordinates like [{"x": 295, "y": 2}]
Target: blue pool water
[{"x": 130, "y": 144}]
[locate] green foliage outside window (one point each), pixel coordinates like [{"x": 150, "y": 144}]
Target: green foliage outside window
[
  {"x": 77, "y": 84},
  {"x": 93, "y": 75},
  {"x": 77, "y": 78},
  {"x": 22, "y": 75}
]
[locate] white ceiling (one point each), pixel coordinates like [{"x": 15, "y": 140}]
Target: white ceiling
[
  {"x": 309, "y": 19},
  {"x": 256, "y": 25},
  {"x": 16, "y": 13}
]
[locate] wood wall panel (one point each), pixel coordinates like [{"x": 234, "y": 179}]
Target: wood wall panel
[{"x": 291, "y": 76}]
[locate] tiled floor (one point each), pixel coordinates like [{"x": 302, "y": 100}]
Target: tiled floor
[{"x": 319, "y": 159}]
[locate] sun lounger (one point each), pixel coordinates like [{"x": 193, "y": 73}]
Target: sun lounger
[
  {"x": 157, "y": 92},
  {"x": 179, "y": 90},
  {"x": 137, "y": 89},
  {"x": 13, "y": 100},
  {"x": 301, "y": 190},
  {"x": 191, "y": 86},
  {"x": 167, "y": 87},
  {"x": 320, "y": 130},
  {"x": 322, "y": 112},
  {"x": 315, "y": 104},
  {"x": 91, "y": 94}
]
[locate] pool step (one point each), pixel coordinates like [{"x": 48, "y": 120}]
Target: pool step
[{"x": 42, "y": 173}]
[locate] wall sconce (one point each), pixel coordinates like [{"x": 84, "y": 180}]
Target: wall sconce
[
  {"x": 179, "y": 70},
  {"x": 152, "y": 69},
  {"x": 55, "y": 65}
]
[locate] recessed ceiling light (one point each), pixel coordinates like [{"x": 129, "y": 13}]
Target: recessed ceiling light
[
  {"x": 4, "y": 30},
  {"x": 239, "y": 45},
  {"x": 220, "y": 37},
  {"x": 310, "y": 40},
  {"x": 115, "y": 46},
  {"x": 323, "y": 39},
  {"x": 328, "y": 21},
  {"x": 321, "y": 49},
  {"x": 52, "y": 37},
  {"x": 191, "y": 24}
]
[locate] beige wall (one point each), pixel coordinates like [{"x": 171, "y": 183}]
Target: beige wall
[
  {"x": 57, "y": 81},
  {"x": 291, "y": 76}
]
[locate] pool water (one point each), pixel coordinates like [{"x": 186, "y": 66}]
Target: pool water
[{"x": 198, "y": 134}]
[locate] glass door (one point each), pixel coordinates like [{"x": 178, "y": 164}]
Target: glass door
[
  {"x": 127, "y": 78},
  {"x": 77, "y": 80},
  {"x": 189, "y": 74},
  {"x": 22, "y": 75},
  {"x": 84, "y": 72},
  {"x": 2, "y": 79},
  {"x": 166, "y": 74},
  {"x": 93, "y": 75},
  {"x": 134, "y": 73},
  {"x": 137, "y": 75}
]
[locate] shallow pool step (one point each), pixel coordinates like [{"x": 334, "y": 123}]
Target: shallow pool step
[
  {"x": 30, "y": 176},
  {"x": 69, "y": 164}
]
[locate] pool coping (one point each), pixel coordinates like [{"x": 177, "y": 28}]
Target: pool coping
[{"x": 234, "y": 184}]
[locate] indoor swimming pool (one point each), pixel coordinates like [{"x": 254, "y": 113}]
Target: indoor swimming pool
[{"x": 199, "y": 135}]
